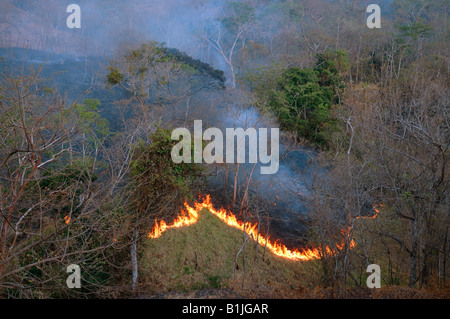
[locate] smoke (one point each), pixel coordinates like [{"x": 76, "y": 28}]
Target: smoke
[
  {"x": 110, "y": 27},
  {"x": 282, "y": 196}
]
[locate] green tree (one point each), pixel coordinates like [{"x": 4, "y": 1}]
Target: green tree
[
  {"x": 155, "y": 176},
  {"x": 302, "y": 104},
  {"x": 331, "y": 67},
  {"x": 158, "y": 186},
  {"x": 302, "y": 98}
]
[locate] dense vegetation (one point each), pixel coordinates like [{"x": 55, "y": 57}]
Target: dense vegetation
[{"x": 302, "y": 98}]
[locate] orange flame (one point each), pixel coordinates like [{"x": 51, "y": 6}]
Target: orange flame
[
  {"x": 67, "y": 219},
  {"x": 191, "y": 215},
  {"x": 376, "y": 209}
]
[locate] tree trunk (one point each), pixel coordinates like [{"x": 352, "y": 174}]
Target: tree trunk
[
  {"x": 134, "y": 261},
  {"x": 412, "y": 273}
]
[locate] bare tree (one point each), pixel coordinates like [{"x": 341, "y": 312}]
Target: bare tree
[
  {"x": 50, "y": 204},
  {"x": 228, "y": 31}
]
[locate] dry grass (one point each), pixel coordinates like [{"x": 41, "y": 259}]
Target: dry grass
[
  {"x": 198, "y": 261},
  {"x": 202, "y": 257}
]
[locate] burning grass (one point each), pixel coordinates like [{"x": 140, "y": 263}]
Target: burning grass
[
  {"x": 202, "y": 256},
  {"x": 198, "y": 261},
  {"x": 189, "y": 215}
]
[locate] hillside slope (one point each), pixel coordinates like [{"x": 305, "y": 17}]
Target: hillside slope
[
  {"x": 197, "y": 261},
  {"x": 202, "y": 256}
]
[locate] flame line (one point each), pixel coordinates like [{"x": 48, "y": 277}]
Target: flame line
[{"x": 190, "y": 216}]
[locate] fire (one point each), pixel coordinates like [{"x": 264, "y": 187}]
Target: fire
[
  {"x": 67, "y": 219},
  {"x": 376, "y": 209},
  {"x": 190, "y": 216},
  {"x": 185, "y": 219}
]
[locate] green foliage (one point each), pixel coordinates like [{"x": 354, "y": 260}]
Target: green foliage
[
  {"x": 114, "y": 76},
  {"x": 302, "y": 98},
  {"x": 302, "y": 104},
  {"x": 215, "y": 281},
  {"x": 154, "y": 175},
  {"x": 238, "y": 14},
  {"x": 204, "y": 71},
  {"x": 415, "y": 31},
  {"x": 147, "y": 71},
  {"x": 89, "y": 119},
  {"x": 263, "y": 78},
  {"x": 408, "y": 39},
  {"x": 70, "y": 174},
  {"x": 331, "y": 66}
]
